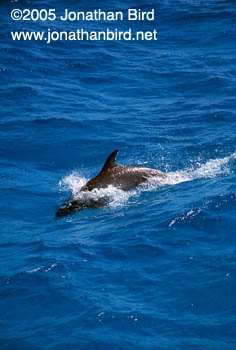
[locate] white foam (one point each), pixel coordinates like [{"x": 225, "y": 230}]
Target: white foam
[
  {"x": 117, "y": 197},
  {"x": 51, "y": 267},
  {"x": 34, "y": 270},
  {"x": 190, "y": 214},
  {"x": 74, "y": 182},
  {"x": 210, "y": 169}
]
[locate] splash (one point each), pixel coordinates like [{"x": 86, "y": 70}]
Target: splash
[
  {"x": 118, "y": 197},
  {"x": 210, "y": 169},
  {"x": 75, "y": 181}
]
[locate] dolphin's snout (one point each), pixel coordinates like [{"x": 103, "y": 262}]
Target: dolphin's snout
[{"x": 62, "y": 212}]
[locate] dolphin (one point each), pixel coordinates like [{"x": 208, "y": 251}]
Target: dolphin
[{"x": 124, "y": 177}]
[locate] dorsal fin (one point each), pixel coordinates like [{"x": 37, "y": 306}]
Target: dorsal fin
[{"x": 110, "y": 162}]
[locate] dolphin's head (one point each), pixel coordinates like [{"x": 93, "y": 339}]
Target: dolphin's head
[
  {"x": 70, "y": 207},
  {"x": 74, "y": 205}
]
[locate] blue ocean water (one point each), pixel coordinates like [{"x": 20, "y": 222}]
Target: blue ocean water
[{"x": 156, "y": 268}]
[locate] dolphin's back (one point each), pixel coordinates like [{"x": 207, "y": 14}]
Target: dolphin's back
[{"x": 123, "y": 177}]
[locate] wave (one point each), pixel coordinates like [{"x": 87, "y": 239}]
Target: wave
[
  {"x": 118, "y": 197},
  {"x": 210, "y": 169},
  {"x": 212, "y": 206}
]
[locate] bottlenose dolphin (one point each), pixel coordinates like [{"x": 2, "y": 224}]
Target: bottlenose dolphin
[{"x": 124, "y": 177}]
